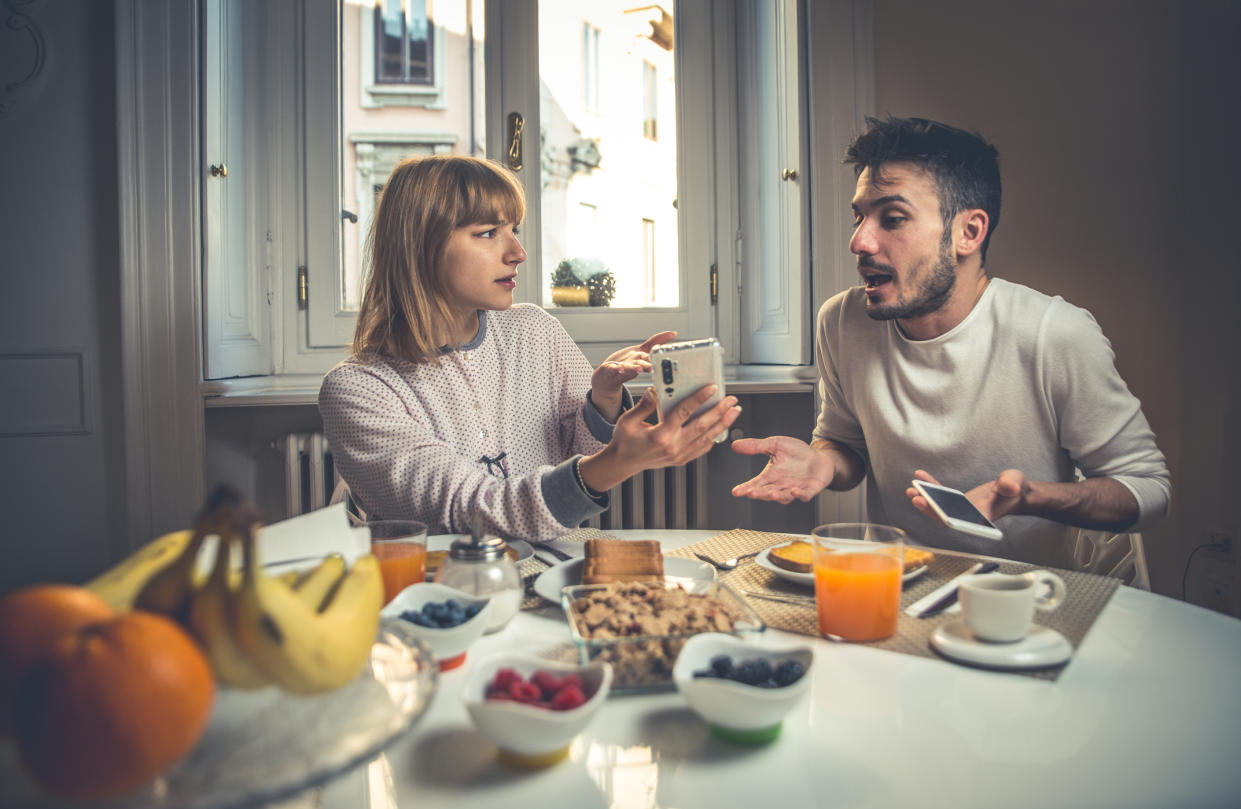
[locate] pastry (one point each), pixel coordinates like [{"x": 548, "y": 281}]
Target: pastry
[{"x": 799, "y": 557}]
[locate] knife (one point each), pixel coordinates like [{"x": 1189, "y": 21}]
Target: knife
[
  {"x": 806, "y": 601},
  {"x": 944, "y": 596}
]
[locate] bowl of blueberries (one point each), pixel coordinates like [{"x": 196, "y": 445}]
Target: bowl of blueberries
[
  {"x": 741, "y": 690},
  {"x": 445, "y": 618}
]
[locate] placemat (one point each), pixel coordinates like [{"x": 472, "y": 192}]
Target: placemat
[
  {"x": 529, "y": 569},
  {"x": 1088, "y": 594}
]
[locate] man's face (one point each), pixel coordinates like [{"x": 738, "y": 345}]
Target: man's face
[{"x": 904, "y": 250}]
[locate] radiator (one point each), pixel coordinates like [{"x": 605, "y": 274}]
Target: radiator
[
  {"x": 675, "y": 497},
  {"x": 309, "y": 474}
]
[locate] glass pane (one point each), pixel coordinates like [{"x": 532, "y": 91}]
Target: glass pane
[
  {"x": 609, "y": 190},
  {"x": 421, "y": 113}
]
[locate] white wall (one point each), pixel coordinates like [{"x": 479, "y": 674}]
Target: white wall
[{"x": 1114, "y": 197}]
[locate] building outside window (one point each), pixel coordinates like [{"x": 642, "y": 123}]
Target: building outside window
[
  {"x": 403, "y": 43},
  {"x": 650, "y": 101},
  {"x": 590, "y": 67}
]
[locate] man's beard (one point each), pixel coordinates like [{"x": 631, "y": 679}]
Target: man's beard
[{"x": 933, "y": 294}]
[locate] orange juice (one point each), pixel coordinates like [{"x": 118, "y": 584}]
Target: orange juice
[
  {"x": 401, "y": 564},
  {"x": 858, "y": 595}
]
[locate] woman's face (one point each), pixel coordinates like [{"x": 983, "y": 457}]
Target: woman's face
[{"x": 480, "y": 268}]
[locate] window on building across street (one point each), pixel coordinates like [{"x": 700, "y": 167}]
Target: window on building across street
[{"x": 403, "y": 43}]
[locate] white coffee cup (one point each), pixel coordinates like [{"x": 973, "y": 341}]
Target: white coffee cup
[{"x": 1000, "y": 608}]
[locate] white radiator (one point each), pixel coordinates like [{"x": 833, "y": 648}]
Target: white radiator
[{"x": 675, "y": 497}]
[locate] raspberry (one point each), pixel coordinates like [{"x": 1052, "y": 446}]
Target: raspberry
[
  {"x": 504, "y": 680},
  {"x": 570, "y": 680},
  {"x": 499, "y": 696},
  {"x": 568, "y": 698},
  {"x": 549, "y": 683},
  {"x": 524, "y": 692}
]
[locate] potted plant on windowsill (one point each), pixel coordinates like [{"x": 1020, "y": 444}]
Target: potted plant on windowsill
[{"x": 568, "y": 288}]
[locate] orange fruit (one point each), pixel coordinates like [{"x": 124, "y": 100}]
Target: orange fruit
[
  {"x": 32, "y": 620},
  {"x": 113, "y": 705}
]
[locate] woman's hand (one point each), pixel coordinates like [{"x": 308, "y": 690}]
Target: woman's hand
[
  {"x": 637, "y": 444},
  {"x": 607, "y": 383}
]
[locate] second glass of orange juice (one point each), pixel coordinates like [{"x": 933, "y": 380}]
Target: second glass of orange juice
[
  {"x": 857, "y": 579},
  {"x": 401, "y": 548}
]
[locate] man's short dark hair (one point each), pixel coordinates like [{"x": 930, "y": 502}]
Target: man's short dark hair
[{"x": 965, "y": 167}]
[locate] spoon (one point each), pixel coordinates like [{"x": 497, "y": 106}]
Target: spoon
[{"x": 727, "y": 564}]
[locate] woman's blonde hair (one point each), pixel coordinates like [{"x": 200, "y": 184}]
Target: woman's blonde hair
[{"x": 405, "y": 312}]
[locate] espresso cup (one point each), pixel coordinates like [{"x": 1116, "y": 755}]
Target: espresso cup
[{"x": 1000, "y": 608}]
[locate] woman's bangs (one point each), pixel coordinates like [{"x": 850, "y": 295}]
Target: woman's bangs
[{"x": 493, "y": 201}]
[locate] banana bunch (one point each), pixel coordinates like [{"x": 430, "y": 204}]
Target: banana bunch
[
  {"x": 304, "y": 648},
  {"x": 305, "y": 632}
]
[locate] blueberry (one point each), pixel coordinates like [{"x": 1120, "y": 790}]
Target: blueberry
[
  {"x": 722, "y": 665},
  {"x": 788, "y": 672},
  {"x": 704, "y": 673},
  {"x": 762, "y": 668},
  {"x": 472, "y": 609},
  {"x": 748, "y": 673}
]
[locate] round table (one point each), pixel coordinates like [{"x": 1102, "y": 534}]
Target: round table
[{"x": 1145, "y": 715}]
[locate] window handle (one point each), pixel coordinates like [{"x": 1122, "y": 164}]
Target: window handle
[
  {"x": 788, "y": 174},
  {"x": 515, "y": 124},
  {"x": 219, "y": 171}
]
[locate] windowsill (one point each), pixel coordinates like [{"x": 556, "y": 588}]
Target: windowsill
[{"x": 303, "y": 389}]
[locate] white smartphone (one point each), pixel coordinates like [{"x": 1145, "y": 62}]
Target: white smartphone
[
  {"x": 682, "y": 369},
  {"x": 955, "y": 509}
]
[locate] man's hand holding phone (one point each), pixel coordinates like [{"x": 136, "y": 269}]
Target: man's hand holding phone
[{"x": 972, "y": 512}]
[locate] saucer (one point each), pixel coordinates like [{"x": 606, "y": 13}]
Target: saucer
[{"x": 1042, "y": 648}]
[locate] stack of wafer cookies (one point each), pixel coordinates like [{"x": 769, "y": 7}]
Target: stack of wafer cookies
[{"x": 609, "y": 560}]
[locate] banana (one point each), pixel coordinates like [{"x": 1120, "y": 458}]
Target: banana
[
  {"x": 120, "y": 584},
  {"x": 314, "y": 588},
  {"x": 209, "y": 619},
  {"x": 304, "y": 651},
  {"x": 169, "y": 589}
]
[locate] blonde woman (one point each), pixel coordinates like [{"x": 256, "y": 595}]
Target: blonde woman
[{"x": 457, "y": 401}]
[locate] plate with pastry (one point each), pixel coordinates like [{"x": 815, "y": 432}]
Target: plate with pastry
[
  {"x": 795, "y": 562},
  {"x": 609, "y": 560}
]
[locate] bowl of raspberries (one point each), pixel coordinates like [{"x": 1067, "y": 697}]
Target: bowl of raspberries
[
  {"x": 531, "y": 707},
  {"x": 444, "y": 618},
  {"x": 742, "y": 691}
]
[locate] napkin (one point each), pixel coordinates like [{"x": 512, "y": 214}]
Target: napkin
[{"x": 313, "y": 536}]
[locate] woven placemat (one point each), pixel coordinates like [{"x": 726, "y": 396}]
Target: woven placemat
[
  {"x": 1087, "y": 595},
  {"x": 529, "y": 569}
]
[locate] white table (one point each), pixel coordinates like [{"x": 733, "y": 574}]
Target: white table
[{"x": 1147, "y": 714}]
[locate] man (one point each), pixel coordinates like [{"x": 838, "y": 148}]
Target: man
[{"x": 932, "y": 367}]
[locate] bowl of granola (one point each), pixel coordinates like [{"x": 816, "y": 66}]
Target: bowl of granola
[{"x": 640, "y": 627}]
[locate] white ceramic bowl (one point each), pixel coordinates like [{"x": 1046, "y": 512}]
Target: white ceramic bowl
[
  {"x": 527, "y": 735},
  {"x": 735, "y": 711},
  {"x": 447, "y": 645}
]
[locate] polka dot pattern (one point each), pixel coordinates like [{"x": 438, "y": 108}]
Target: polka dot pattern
[{"x": 412, "y": 440}]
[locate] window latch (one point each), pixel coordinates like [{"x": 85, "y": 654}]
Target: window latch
[
  {"x": 515, "y": 124},
  {"x": 303, "y": 289}
]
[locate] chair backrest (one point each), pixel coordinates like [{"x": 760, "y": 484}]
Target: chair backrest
[
  {"x": 1106, "y": 553},
  {"x": 341, "y": 494}
]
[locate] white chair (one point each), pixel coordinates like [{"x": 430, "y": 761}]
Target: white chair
[{"x": 1105, "y": 553}]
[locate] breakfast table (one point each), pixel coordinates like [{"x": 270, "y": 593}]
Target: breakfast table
[{"x": 1144, "y": 714}]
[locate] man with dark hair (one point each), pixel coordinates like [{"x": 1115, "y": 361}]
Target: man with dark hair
[{"x": 1006, "y": 393}]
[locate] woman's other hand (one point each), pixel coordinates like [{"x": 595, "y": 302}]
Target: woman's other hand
[
  {"x": 637, "y": 444},
  {"x": 607, "y": 383}
]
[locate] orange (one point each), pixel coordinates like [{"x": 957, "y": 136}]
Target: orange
[
  {"x": 113, "y": 705},
  {"x": 32, "y": 620}
]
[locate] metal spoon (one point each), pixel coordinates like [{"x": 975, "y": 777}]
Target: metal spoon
[{"x": 727, "y": 564}]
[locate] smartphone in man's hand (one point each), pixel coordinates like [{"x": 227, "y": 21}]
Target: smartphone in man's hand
[{"x": 956, "y": 510}]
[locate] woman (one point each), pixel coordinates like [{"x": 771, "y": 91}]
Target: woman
[{"x": 456, "y": 401}]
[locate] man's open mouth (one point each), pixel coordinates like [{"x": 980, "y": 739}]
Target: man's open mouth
[{"x": 876, "y": 280}]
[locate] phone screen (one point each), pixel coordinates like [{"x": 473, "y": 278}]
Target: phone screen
[{"x": 955, "y": 505}]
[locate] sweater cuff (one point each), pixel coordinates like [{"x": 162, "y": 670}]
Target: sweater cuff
[
  {"x": 566, "y": 500},
  {"x": 600, "y": 427}
]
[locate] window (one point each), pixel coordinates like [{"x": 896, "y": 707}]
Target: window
[
  {"x": 403, "y": 43},
  {"x": 650, "y": 102},
  {"x": 589, "y": 70},
  {"x": 292, "y": 105}
]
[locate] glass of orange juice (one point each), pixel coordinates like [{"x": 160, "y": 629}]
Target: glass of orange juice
[
  {"x": 401, "y": 548},
  {"x": 857, "y": 579}
]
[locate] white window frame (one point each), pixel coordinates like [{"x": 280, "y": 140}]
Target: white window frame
[
  {"x": 713, "y": 226},
  {"x": 375, "y": 94}
]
